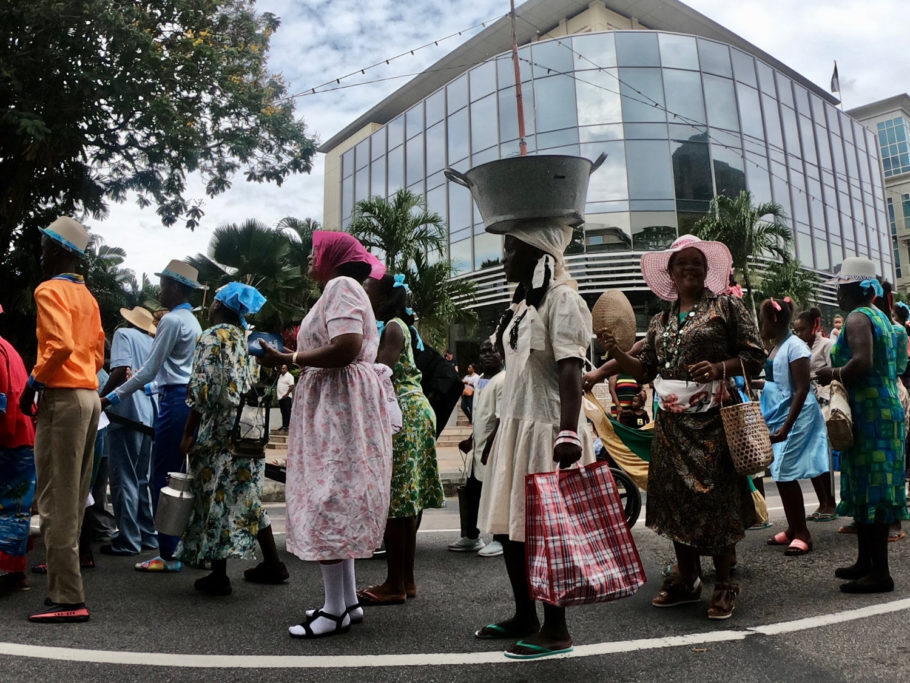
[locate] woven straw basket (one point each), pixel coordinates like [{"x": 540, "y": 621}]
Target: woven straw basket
[
  {"x": 614, "y": 312},
  {"x": 838, "y": 418},
  {"x": 747, "y": 434}
]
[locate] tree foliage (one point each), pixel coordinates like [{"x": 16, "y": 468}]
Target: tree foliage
[
  {"x": 749, "y": 231},
  {"x": 101, "y": 98},
  {"x": 788, "y": 278}
]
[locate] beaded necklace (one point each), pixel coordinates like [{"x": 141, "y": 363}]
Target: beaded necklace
[{"x": 672, "y": 331}]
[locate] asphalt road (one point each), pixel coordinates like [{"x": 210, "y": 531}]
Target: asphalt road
[{"x": 791, "y": 622}]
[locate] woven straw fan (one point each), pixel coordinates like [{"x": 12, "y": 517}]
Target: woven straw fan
[{"x": 614, "y": 312}]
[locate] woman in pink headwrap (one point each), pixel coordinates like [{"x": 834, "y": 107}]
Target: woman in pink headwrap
[{"x": 340, "y": 440}]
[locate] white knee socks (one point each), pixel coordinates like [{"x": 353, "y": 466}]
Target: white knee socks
[
  {"x": 333, "y": 584},
  {"x": 350, "y": 590}
]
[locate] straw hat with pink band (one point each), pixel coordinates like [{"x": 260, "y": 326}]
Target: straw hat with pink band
[{"x": 654, "y": 266}]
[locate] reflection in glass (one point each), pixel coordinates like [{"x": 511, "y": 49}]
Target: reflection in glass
[
  {"x": 487, "y": 250},
  {"x": 598, "y": 97},
  {"x": 362, "y": 184},
  {"x": 607, "y": 232},
  {"x": 395, "y": 130},
  {"x": 804, "y": 249},
  {"x": 347, "y": 163},
  {"x": 805, "y": 129},
  {"x": 457, "y": 94},
  {"x": 553, "y": 97},
  {"x": 650, "y": 231},
  {"x": 684, "y": 96},
  {"x": 505, "y": 69},
  {"x": 377, "y": 144},
  {"x": 347, "y": 196},
  {"x": 766, "y": 78},
  {"x": 435, "y": 106},
  {"x": 772, "y": 121},
  {"x": 714, "y": 58},
  {"x": 460, "y": 254},
  {"x": 757, "y": 178},
  {"x": 550, "y": 142},
  {"x": 721, "y": 102},
  {"x": 377, "y": 178},
  {"x": 784, "y": 89},
  {"x": 396, "y": 170},
  {"x": 822, "y": 262},
  {"x": 609, "y": 181},
  {"x": 483, "y": 133},
  {"x": 508, "y": 114},
  {"x": 550, "y": 57},
  {"x": 645, "y": 131},
  {"x": 593, "y": 51},
  {"x": 415, "y": 171},
  {"x": 606, "y": 132},
  {"x": 483, "y": 80},
  {"x": 458, "y": 136},
  {"x": 489, "y": 154},
  {"x": 744, "y": 67},
  {"x": 414, "y": 120},
  {"x": 791, "y": 130},
  {"x": 436, "y": 202},
  {"x": 637, "y": 48},
  {"x": 750, "y": 111},
  {"x": 678, "y": 52},
  {"x": 729, "y": 175},
  {"x": 436, "y": 148},
  {"x": 650, "y": 173},
  {"x": 459, "y": 207},
  {"x": 692, "y": 168},
  {"x": 362, "y": 153},
  {"x": 641, "y": 107}
]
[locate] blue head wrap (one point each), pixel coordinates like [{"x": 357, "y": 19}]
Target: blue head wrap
[
  {"x": 901, "y": 304},
  {"x": 874, "y": 285},
  {"x": 399, "y": 282},
  {"x": 242, "y": 299}
]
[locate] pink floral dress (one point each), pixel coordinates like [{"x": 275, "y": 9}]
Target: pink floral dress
[{"x": 339, "y": 464}]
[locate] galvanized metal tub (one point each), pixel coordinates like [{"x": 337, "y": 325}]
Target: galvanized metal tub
[{"x": 518, "y": 190}]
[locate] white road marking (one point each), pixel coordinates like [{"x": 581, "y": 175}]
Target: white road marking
[{"x": 431, "y": 659}]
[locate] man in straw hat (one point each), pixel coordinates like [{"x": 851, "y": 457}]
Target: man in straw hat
[
  {"x": 169, "y": 364},
  {"x": 70, "y": 354},
  {"x": 130, "y": 437}
]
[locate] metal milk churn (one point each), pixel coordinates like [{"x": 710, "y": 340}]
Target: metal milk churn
[{"x": 174, "y": 504}]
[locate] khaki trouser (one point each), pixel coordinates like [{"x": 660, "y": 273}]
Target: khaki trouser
[{"x": 64, "y": 449}]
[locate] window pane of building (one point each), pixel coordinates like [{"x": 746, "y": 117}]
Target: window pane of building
[
  {"x": 641, "y": 89},
  {"x": 458, "y": 136},
  {"x": 436, "y": 107},
  {"x": 483, "y": 133},
  {"x": 744, "y": 67},
  {"x": 757, "y": 179},
  {"x": 691, "y": 169},
  {"x": 396, "y": 170},
  {"x": 598, "y": 97},
  {"x": 460, "y": 253},
  {"x": 415, "y": 170},
  {"x": 609, "y": 181},
  {"x": 721, "y": 101},
  {"x": 714, "y": 58},
  {"x": 487, "y": 250},
  {"x": 377, "y": 144},
  {"x": 347, "y": 163},
  {"x": 750, "y": 111},
  {"x": 772, "y": 121},
  {"x": 362, "y": 153},
  {"x": 347, "y": 196},
  {"x": 729, "y": 173},
  {"x": 550, "y": 57},
  {"x": 805, "y": 128},
  {"x": 377, "y": 178},
  {"x": 362, "y": 184},
  {"x": 593, "y": 51},
  {"x": 637, "y": 48},
  {"x": 554, "y": 98},
  {"x": 483, "y": 80},
  {"x": 395, "y": 130},
  {"x": 684, "y": 96},
  {"x": 650, "y": 173},
  {"x": 784, "y": 89},
  {"x": 414, "y": 120},
  {"x": 436, "y": 148},
  {"x": 679, "y": 52},
  {"x": 459, "y": 207},
  {"x": 766, "y": 78},
  {"x": 436, "y": 203},
  {"x": 457, "y": 94},
  {"x": 791, "y": 131}
]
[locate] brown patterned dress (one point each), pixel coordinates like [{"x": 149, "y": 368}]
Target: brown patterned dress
[{"x": 695, "y": 497}]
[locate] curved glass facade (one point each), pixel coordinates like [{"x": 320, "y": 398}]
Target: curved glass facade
[{"x": 681, "y": 119}]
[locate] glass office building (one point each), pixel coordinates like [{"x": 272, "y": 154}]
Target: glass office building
[{"x": 681, "y": 118}]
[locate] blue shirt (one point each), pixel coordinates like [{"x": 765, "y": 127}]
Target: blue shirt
[
  {"x": 170, "y": 360},
  {"x": 130, "y": 349}
]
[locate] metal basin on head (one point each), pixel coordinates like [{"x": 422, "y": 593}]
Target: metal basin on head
[{"x": 518, "y": 190}]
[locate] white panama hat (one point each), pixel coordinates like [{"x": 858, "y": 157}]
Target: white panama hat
[
  {"x": 854, "y": 269},
  {"x": 183, "y": 273},
  {"x": 69, "y": 233}
]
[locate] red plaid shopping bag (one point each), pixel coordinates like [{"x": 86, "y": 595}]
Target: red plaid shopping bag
[{"x": 579, "y": 547}]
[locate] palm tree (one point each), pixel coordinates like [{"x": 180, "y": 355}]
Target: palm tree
[
  {"x": 748, "y": 231},
  {"x": 399, "y": 228},
  {"x": 434, "y": 295},
  {"x": 787, "y": 278},
  {"x": 110, "y": 283}
]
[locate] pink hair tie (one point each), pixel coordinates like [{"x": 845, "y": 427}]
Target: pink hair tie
[
  {"x": 775, "y": 304},
  {"x": 786, "y": 300}
]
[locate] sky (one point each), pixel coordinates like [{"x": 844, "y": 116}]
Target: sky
[{"x": 319, "y": 40}]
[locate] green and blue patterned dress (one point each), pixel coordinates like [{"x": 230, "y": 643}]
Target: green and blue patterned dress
[
  {"x": 415, "y": 472},
  {"x": 227, "y": 512},
  {"x": 872, "y": 471}
]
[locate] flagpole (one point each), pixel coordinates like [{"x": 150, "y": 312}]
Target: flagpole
[{"x": 835, "y": 87}]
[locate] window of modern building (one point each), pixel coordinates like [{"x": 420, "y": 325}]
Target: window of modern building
[
  {"x": 552, "y": 98},
  {"x": 482, "y": 80},
  {"x": 729, "y": 173},
  {"x": 362, "y": 184},
  {"x": 893, "y": 142},
  {"x": 550, "y": 57},
  {"x": 377, "y": 144},
  {"x": 905, "y": 207},
  {"x": 458, "y": 136},
  {"x": 377, "y": 178},
  {"x": 487, "y": 250},
  {"x": 414, "y": 168},
  {"x": 435, "y": 107},
  {"x": 692, "y": 173},
  {"x": 642, "y": 95},
  {"x": 508, "y": 115},
  {"x": 395, "y": 177},
  {"x": 362, "y": 153},
  {"x": 750, "y": 111},
  {"x": 744, "y": 67},
  {"x": 637, "y": 48},
  {"x": 714, "y": 58},
  {"x": 591, "y": 52},
  {"x": 395, "y": 130},
  {"x": 721, "y": 101},
  {"x": 684, "y": 96},
  {"x": 598, "y": 97},
  {"x": 678, "y": 52},
  {"x": 766, "y": 79},
  {"x": 347, "y": 199},
  {"x": 461, "y": 256},
  {"x": 436, "y": 148},
  {"x": 457, "y": 94},
  {"x": 608, "y": 183},
  {"x": 650, "y": 172},
  {"x": 414, "y": 121},
  {"x": 347, "y": 163}
]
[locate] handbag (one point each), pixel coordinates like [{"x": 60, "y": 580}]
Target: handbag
[
  {"x": 838, "y": 418},
  {"x": 747, "y": 432},
  {"x": 250, "y": 432},
  {"x": 579, "y": 549}
]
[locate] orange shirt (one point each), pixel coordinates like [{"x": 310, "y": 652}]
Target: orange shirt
[{"x": 70, "y": 337}]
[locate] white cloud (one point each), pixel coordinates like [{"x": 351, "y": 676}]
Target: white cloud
[{"x": 322, "y": 40}]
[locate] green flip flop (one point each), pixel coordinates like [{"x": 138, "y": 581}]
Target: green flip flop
[{"x": 537, "y": 651}]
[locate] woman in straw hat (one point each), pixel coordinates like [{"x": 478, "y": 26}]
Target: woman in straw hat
[
  {"x": 872, "y": 471},
  {"x": 545, "y": 338},
  {"x": 695, "y": 497}
]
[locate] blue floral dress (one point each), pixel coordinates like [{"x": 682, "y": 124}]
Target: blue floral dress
[
  {"x": 872, "y": 471},
  {"x": 227, "y": 513}
]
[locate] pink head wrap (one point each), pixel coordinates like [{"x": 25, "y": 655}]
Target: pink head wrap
[{"x": 332, "y": 249}]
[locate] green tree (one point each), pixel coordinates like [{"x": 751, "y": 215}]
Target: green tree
[
  {"x": 438, "y": 299},
  {"x": 110, "y": 283},
  {"x": 255, "y": 254},
  {"x": 399, "y": 228},
  {"x": 749, "y": 231},
  {"x": 787, "y": 278},
  {"x": 103, "y": 98}
]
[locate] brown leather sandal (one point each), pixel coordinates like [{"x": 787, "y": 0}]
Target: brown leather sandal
[
  {"x": 723, "y": 602},
  {"x": 674, "y": 592}
]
